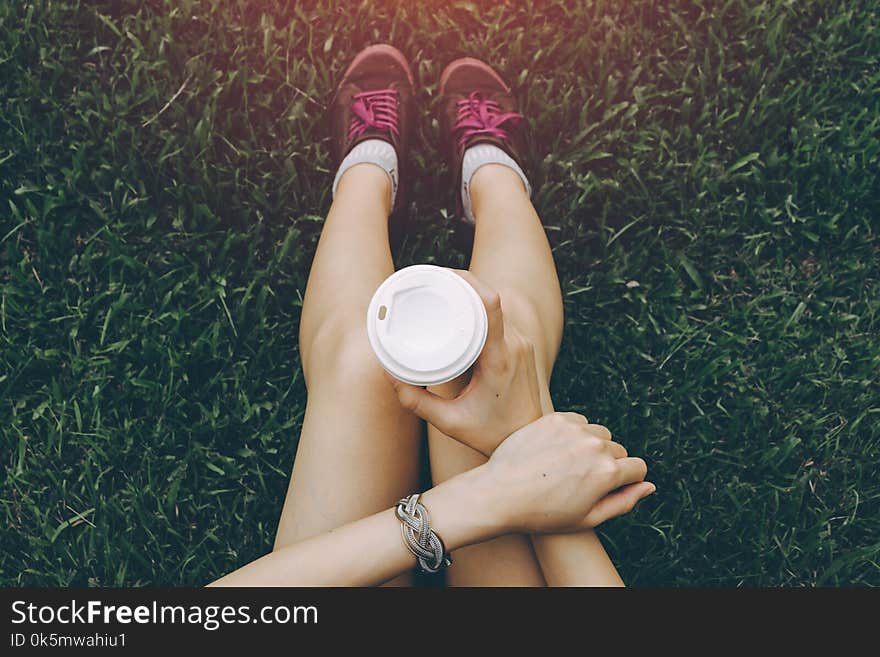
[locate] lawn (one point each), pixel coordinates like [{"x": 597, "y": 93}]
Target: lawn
[{"x": 709, "y": 176}]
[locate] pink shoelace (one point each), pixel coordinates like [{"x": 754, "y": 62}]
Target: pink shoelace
[
  {"x": 373, "y": 110},
  {"x": 481, "y": 116}
]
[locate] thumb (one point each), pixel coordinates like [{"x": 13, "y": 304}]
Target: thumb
[
  {"x": 494, "y": 347},
  {"x": 617, "y": 503},
  {"x": 430, "y": 407}
]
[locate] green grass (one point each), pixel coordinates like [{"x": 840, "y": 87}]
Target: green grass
[{"x": 708, "y": 176}]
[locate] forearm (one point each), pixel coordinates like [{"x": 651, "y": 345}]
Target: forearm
[
  {"x": 362, "y": 553},
  {"x": 371, "y": 551},
  {"x": 576, "y": 559}
]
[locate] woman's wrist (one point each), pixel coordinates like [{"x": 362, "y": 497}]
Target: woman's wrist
[{"x": 463, "y": 510}]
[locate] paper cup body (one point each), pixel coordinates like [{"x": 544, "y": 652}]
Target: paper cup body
[{"x": 426, "y": 324}]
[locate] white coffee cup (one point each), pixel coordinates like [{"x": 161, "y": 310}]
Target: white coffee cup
[{"x": 426, "y": 324}]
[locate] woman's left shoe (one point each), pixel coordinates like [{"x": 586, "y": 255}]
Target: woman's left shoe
[{"x": 479, "y": 124}]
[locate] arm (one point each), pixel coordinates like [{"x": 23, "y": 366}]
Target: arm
[{"x": 371, "y": 551}]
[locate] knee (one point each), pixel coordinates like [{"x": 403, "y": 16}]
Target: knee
[
  {"x": 340, "y": 352},
  {"x": 538, "y": 320}
]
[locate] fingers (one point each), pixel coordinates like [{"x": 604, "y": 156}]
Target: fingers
[
  {"x": 599, "y": 431},
  {"x": 630, "y": 470},
  {"x": 574, "y": 417},
  {"x": 617, "y": 503},
  {"x": 430, "y": 407},
  {"x": 617, "y": 450},
  {"x": 492, "y": 301}
]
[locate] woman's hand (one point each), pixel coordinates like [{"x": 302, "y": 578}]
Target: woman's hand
[
  {"x": 560, "y": 474},
  {"x": 503, "y": 393}
]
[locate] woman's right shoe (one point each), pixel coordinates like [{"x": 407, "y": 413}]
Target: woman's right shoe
[{"x": 477, "y": 107}]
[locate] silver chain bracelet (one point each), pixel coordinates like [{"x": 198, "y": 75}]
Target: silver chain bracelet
[{"x": 419, "y": 537}]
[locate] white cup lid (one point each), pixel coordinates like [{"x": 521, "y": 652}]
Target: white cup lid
[{"x": 426, "y": 324}]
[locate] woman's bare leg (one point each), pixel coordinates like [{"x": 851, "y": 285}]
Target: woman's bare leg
[
  {"x": 511, "y": 253},
  {"x": 505, "y": 561},
  {"x": 359, "y": 450}
]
